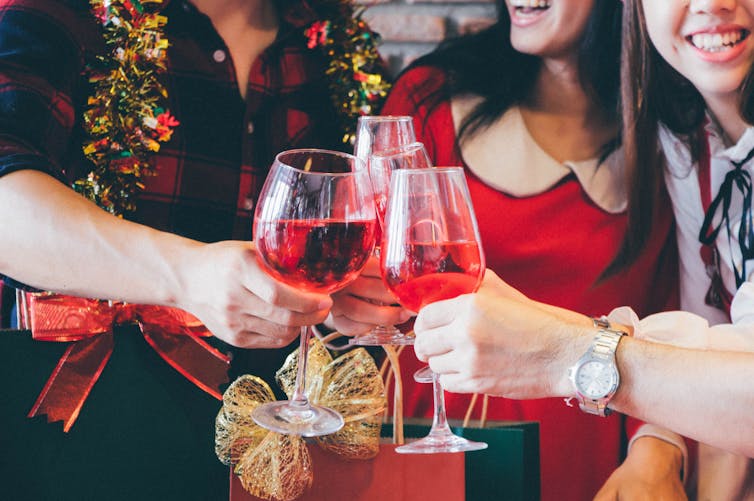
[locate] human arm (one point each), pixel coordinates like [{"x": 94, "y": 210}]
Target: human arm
[
  {"x": 53, "y": 239},
  {"x": 649, "y": 472},
  {"x": 87, "y": 252},
  {"x": 500, "y": 343}
]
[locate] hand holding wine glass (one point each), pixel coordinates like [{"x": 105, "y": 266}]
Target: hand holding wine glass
[
  {"x": 431, "y": 251},
  {"x": 381, "y": 166},
  {"x": 314, "y": 229},
  {"x": 375, "y": 136}
]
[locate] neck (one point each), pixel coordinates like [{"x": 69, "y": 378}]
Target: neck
[
  {"x": 725, "y": 110},
  {"x": 558, "y": 90},
  {"x": 259, "y": 14}
]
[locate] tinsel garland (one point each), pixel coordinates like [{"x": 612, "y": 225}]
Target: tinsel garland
[
  {"x": 124, "y": 120},
  {"x": 126, "y": 124},
  {"x": 357, "y": 84}
]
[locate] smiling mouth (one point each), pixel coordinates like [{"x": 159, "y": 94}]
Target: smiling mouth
[
  {"x": 530, "y": 7},
  {"x": 718, "y": 42}
]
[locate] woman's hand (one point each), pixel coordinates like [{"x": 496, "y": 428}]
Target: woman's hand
[
  {"x": 240, "y": 303},
  {"x": 497, "y": 341},
  {"x": 365, "y": 303},
  {"x": 651, "y": 472}
]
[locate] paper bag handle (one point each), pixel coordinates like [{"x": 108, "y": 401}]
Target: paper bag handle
[
  {"x": 392, "y": 361},
  {"x": 470, "y": 410}
]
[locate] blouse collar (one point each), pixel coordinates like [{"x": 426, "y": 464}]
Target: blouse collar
[
  {"x": 507, "y": 158},
  {"x": 680, "y": 163}
]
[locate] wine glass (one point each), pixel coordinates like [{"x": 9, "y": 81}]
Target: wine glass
[
  {"x": 314, "y": 229},
  {"x": 376, "y": 135},
  {"x": 381, "y": 165},
  {"x": 431, "y": 251}
]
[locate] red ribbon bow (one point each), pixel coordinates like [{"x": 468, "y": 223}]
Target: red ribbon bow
[{"x": 174, "y": 334}]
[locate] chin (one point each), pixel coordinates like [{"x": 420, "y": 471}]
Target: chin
[{"x": 528, "y": 45}]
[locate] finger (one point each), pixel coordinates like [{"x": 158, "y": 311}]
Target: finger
[
  {"x": 250, "y": 339},
  {"x": 439, "y": 313},
  {"x": 432, "y": 343},
  {"x": 446, "y": 363},
  {"x": 359, "y": 310},
  {"x": 349, "y": 327},
  {"x": 457, "y": 383},
  {"x": 255, "y": 339},
  {"x": 371, "y": 288},
  {"x": 255, "y": 306},
  {"x": 285, "y": 296},
  {"x": 260, "y": 333}
]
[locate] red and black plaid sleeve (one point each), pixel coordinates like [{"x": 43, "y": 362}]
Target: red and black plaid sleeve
[{"x": 41, "y": 60}]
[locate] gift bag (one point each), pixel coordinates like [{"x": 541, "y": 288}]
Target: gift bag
[
  {"x": 508, "y": 469},
  {"x": 141, "y": 434},
  {"x": 388, "y": 476}
]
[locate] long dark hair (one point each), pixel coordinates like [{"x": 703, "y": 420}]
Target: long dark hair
[
  {"x": 653, "y": 93},
  {"x": 486, "y": 64}
]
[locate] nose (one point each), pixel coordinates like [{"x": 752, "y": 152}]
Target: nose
[{"x": 711, "y": 6}]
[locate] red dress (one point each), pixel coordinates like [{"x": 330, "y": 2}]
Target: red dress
[{"x": 552, "y": 246}]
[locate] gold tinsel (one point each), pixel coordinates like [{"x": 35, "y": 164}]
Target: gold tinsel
[
  {"x": 123, "y": 119},
  {"x": 358, "y": 84},
  {"x": 126, "y": 124},
  {"x": 278, "y": 467}
]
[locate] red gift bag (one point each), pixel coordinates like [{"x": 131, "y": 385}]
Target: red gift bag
[{"x": 388, "y": 477}]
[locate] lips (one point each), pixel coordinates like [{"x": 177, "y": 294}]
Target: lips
[{"x": 525, "y": 12}]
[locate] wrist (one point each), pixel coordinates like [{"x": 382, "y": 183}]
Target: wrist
[
  {"x": 180, "y": 271},
  {"x": 576, "y": 341},
  {"x": 594, "y": 376},
  {"x": 656, "y": 455}
]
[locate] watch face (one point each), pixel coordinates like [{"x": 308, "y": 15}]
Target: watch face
[{"x": 594, "y": 379}]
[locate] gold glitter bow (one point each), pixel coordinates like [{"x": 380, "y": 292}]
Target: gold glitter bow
[{"x": 278, "y": 467}]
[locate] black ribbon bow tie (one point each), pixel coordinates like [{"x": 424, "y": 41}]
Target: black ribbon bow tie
[{"x": 718, "y": 209}]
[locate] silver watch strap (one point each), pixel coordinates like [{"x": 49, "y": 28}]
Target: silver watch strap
[
  {"x": 603, "y": 347},
  {"x": 605, "y": 343}
]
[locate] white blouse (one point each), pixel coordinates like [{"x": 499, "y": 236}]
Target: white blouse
[{"x": 722, "y": 475}]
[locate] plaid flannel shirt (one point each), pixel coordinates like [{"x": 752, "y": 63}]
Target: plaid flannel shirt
[{"x": 209, "y": 174}]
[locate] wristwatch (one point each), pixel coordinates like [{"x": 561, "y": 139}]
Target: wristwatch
[{"x": 595, "y": 375}]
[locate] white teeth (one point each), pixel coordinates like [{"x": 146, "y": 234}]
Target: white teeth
[
  {"x": 530, "y": 4},
  {"x": 716, "y": 42}
]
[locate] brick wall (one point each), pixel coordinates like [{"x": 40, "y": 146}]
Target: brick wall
[{"x": 410, "y": 28}]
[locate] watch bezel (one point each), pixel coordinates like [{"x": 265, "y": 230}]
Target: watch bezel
[
  {"x": 605, "y": 339},
  {"x": 612, "y": 384}
]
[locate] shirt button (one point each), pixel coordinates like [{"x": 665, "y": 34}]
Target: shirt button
[
  {"x": 250, "y": 127},
  {"x": 218, "y": 56},
  {"x": 248, "y": 203},
  {"x": 186, "y": 6}
]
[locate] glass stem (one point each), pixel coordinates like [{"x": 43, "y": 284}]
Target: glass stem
[
  {"x": 299, "y": 392},
  {"x": 439, "y": 418}
]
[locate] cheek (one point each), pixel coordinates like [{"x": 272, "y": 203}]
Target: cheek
[{"x": 664, "y": 32}]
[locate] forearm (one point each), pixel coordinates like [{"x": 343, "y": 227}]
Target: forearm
[
  {"x": 705, "y": 395},
  {"x": 53, "y": 239}
]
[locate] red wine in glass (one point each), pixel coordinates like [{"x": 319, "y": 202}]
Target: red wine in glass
[
  {"x": 436, "y": 272},
  {"x": 431, "y": 251},
  {"x": 381, "y": 164},
  {"x": 315, "y": 255},
  {"x": 314, "y": 230}
]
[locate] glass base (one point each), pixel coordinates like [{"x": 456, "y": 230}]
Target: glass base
[
  {"x": 295, "y": 419},
  {"x": 383, "y": 335},
  {"x": 423, "y": 375},
  {"x": 440, "y": 442}
]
